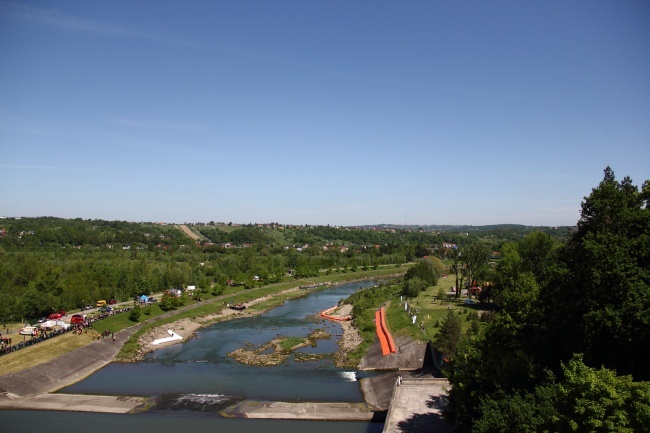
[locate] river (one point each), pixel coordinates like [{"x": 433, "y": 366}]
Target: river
[{"x": 193, "y": 381}]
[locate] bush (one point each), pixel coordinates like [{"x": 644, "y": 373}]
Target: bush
[
  {"x": 171, "y": 302},
  {"x": 134, "y": 315}
]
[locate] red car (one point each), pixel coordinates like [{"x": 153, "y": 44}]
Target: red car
[
  {"x": 112, "y": 301},
  {"x": 54, "y": 316},
  {"x": 76, "y": 319}
]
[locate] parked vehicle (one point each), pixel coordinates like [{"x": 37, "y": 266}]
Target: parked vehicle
[
  {"x": 28, "y": 330},
  {"x": 63, "y": 312},
  {"x": 101, "y": 303},
  {"x": 41, "y": 320},
  {"x": 47, "y": 326},
  {"x": 76, "y": 319},
  {"x": 54, "y": 316},
  {"x": 112, "y": 301}
]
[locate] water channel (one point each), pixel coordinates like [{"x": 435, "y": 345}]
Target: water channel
[{"x": 192, "y": 381}]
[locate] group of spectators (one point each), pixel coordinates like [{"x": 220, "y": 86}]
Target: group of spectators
[{"x": 6, "y": 345}]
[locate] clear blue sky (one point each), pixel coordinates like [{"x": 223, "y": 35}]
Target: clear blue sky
[{"x": 320, "y": 112}]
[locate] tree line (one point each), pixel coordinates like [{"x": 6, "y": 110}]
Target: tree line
[
  {"x": 50, "y": 263},
  {"x": 567, "y": 347}
]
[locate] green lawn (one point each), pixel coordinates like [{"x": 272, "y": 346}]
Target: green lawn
[{"x": 432, "y": 311}]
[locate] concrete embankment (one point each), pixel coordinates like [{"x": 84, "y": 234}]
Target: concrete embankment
[
  {"x": 308, "y": 411},
  {"x": 66, "y": 369},
  {"x": 75, "y": 403},
  {"x": 30, "y": 389}
]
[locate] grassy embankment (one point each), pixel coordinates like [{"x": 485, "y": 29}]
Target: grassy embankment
[
  {"x": 44, "y": 352},
  {"x": 432, "y": 312}
]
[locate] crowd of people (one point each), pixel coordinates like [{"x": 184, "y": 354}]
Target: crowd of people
[{"x": 7, "y": 346}]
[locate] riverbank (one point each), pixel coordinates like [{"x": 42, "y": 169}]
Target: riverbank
[
  {"x": 29, "y": 389},
  {"x": 187, "y": 327}
]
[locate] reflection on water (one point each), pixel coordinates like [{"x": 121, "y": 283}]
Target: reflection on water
[{"x": 198, "y": 378}]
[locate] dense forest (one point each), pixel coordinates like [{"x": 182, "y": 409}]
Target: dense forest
[
  {"x": 568, "y": 346},
  {"x": 49, "y": 263}
]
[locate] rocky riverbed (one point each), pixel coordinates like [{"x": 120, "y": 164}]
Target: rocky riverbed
[
  {"x": 187, "y": 327},
  {"x": 278, "y": 350}
]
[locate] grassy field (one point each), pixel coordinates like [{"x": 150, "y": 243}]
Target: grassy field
[
  {"x": 432, "y": 312},
  {"x": 43, "y": 352}
]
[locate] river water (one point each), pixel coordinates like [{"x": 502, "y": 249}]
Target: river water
[{"x": 193, "y": 381}]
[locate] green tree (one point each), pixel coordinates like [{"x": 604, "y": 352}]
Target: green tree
[
  {"x": 427, "y": 270},
  {"x": 167, "y": 302},
  {"x": 449, "y": 335},
  {"x": 538, "y": 252},
  {"x": 592, "y": 294},
  {"x": 591, "y": 400},
  {"x": 455, "y": 268},
  {"x": 413, "y": 287},
  {"x": 475, "y": 256},
  {"x": 602, "y": 291}
]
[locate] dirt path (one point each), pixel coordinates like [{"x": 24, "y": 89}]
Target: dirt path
[{"x": 188, "y": 232}]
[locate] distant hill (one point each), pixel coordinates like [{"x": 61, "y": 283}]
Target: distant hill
[
  {"x": 40, "y": 232},
  {"x": 464, "y": 228}
]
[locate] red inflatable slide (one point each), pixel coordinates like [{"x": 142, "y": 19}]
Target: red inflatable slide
[{"x": 385, "y": 338}]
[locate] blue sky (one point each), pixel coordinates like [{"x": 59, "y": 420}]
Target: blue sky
[{"x": 320, "y": 112}]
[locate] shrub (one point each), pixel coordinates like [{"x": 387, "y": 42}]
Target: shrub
[{"x": 134, "y": 315}]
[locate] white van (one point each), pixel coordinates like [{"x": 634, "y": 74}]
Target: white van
[{"x": 29, "y": 330}]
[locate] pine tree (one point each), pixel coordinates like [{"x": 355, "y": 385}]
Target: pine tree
[{"x": 449, "y": 335}]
